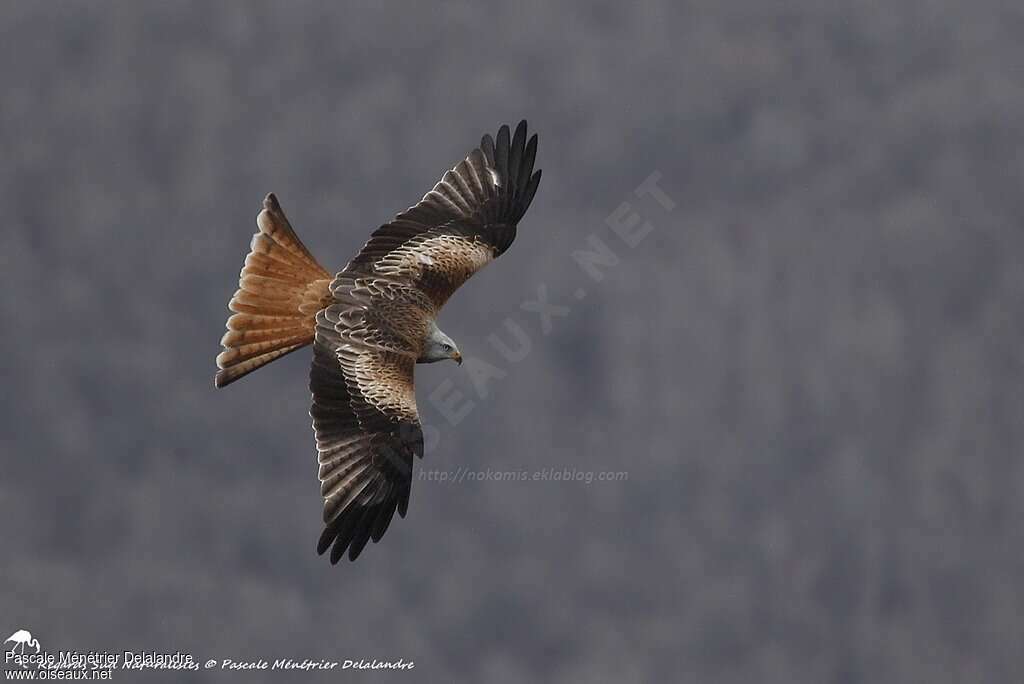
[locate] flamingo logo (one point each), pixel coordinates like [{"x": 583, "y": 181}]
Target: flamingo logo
[{"x": 21, "y": 639}]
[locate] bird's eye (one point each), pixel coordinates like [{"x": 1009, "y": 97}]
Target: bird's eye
[{"x": 446, "y": 347}]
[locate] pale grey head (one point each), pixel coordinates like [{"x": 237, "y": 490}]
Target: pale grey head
[{"x": 439, "y": 347}]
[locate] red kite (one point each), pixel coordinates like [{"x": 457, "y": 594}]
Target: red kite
[{"x": 372, "y": 322}]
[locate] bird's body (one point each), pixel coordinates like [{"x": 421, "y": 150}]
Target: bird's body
[{"x": 372, "y": 322}]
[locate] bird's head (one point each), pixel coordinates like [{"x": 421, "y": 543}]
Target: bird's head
[{"x": 439, "y": 347}]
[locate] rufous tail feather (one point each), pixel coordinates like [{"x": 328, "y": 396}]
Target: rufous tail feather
[{"x": 280, "y": 291}]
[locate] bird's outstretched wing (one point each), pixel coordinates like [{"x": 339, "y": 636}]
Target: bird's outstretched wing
[
  {"x": 367, "y": 432},
  {"x": 468, "y": 219},
  {"x": 367, "y": 341}
]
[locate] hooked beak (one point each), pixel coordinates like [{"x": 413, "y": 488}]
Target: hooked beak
[{"x": 458, "y": 357}]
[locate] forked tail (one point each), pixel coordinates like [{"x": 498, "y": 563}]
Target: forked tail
[{"x": 281, "y": 289}]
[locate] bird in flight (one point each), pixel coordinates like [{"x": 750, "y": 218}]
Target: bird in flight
[{"x": 372, "y": 322}]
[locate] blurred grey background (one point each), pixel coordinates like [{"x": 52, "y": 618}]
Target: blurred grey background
[{"x": 810, "y": 369}]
